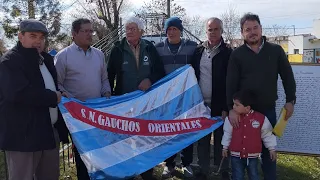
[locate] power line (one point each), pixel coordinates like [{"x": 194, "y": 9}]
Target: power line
[{"x": 69, "y": 6}]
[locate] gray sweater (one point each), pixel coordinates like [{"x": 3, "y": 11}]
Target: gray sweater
[{"x": 82, "y": 75}]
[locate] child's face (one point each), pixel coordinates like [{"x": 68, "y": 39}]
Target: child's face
[{"x": 239, "y": 108}]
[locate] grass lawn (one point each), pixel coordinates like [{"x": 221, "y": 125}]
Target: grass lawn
[{"x": 290, "y": 167}]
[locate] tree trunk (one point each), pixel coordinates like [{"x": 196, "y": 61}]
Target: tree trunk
[{"x": 31, "y": 9}]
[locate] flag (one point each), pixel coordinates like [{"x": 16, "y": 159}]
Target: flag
[{"x": 124, "y": 136}]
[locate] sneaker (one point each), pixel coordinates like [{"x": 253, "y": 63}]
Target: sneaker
[
  {"x": 167, "y": 171},
  {"x": 187, "y": 171},
  {"x": 225, "y": 175}
]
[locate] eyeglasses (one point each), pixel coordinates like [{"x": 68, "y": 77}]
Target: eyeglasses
[
  {"x": 87, "y": 31},
  {"x": 131, "y": 29}
]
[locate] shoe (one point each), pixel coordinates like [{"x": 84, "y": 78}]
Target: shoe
[
  {"x": 167, "y": 171},
  {"x": 225, "y": 175},
  {"x": 187, "y": 171}
]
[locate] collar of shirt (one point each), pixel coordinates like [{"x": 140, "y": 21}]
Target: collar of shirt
[
  {"x": 132, "y": 46},
  {"x": 206, "y": 45},
  {"x": 212, "y": 49},
  {"x": 78, "y": 48},
  {"x": 260, "y": 47}
]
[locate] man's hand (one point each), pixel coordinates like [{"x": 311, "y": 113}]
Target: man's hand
[
  {"x": 65, "y": 94},
  {"x": 58, "y": 96},
  {"x": 145, "y": 84},
  {"x": 273, "y": 155},
  {"x": 224, "y": 115},
  {"x": 234, "y": 118},
  {"x": 107, "y": 94},
  {"x": 225, "y": 153},
  {"x": 289, "y": 108}
]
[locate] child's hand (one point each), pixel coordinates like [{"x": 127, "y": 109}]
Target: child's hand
[
  {"x": 225, "y": 153},
  {"x": 273, "y": 155}
]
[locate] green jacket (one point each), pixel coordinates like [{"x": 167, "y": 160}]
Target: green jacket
[{"x": 122, "y": 66}]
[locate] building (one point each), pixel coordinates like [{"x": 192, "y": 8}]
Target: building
[{"x": 305, "y": 48}]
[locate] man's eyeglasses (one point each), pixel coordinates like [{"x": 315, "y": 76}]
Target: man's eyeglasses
[
  {"x": 131, "y": 29},
  {"x": 86, "y": 31}
]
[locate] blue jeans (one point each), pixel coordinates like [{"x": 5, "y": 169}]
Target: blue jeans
[
  {"x": 268, "y": 166},
  {"x": 239, "y": 165}
]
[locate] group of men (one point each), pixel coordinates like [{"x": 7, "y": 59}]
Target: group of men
[{"x": 31, "y": 125}]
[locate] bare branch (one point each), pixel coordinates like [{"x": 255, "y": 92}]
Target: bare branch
[
  {"x": 120, "y": 5},
  {"x": 230, "y": 19}
]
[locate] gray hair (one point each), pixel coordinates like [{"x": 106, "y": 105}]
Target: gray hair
[
  {"x": 136, "y": 21},
  {"x": 212, "y": 19}
]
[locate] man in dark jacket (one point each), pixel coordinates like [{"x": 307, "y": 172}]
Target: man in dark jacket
[
  {"x": 210, "y": 63},
  {"x": 135, "y": 64},
  {"x": 29, "y": 117},
  {"x": 255, "y": 66}
]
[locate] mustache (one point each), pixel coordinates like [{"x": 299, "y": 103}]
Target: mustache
[{"x": 253, "y": 35}]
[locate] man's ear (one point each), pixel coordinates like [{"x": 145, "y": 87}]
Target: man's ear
[
  {"x": 73, "y": 33},
  {"x": 20, "y": 36}
]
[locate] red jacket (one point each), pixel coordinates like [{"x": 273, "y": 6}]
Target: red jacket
[{"x": 245, "y": 141}]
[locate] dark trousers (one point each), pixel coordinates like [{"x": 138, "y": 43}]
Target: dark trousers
[
  {"x": 82, "y": 172},
  {"x": 268, "y": 166},
  {"x": 240, "y": 165},
  {"x": 187, "y": 157},
  {"x": 204, "y": 150}
]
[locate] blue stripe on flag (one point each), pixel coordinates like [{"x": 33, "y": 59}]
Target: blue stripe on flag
[
  {"x": 152, "y": 157},
  {"x": 89, "y": 138},
  {"x": 103, "y": 102}
]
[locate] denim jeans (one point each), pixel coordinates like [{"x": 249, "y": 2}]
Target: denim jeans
[
  {"x": 268, "y": 166},
  {"x": 240, "y": 165}
]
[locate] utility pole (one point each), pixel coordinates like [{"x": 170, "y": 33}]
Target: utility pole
[
  {"x": 31, "y": 9},
  {"x": 294, "y": 30},
  {"x": 168, "y": 8}
]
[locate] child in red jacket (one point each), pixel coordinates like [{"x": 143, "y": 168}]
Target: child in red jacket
[{"x": 245, "y": 142}]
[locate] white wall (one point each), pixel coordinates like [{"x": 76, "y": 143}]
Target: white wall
[
  {"x": 311, "y": 45},
  {"x": 316, "y": 28},
  {"x": 295, "y": 42}
]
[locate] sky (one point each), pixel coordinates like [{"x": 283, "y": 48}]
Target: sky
[{"x": 299, "y": 13}]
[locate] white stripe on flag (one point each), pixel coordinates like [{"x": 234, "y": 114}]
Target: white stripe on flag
[
  {"x": 133, "y": 107},
  {"x": 121, "y": 151}
]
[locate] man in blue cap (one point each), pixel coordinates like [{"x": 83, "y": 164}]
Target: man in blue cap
[
  {"x": 30, "y": 123},
  {"x": 176, "y": 52}
]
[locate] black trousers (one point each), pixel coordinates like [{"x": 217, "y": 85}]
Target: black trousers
[
  {"x": 82, "y": 172},
  {"x": 204, "y": 150},
  {"x": 187, "y": 157}
]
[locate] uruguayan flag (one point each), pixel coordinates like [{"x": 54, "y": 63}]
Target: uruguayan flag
[{"x": 114, "y": 136}]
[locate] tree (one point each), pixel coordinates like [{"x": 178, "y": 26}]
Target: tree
[
  {"x": 231, "y": 21},
  {"x": 3, "y": 49},
  {"x": 47, "y": 11},
  {"x": 105, "y": 15},
  {"x": 153, "y": 13},
  {"x": 275, "y": 33},
  {"x": 195, "y": 25},
  {"x": 108, "y": 11}
]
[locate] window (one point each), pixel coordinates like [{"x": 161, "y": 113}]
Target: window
[{"x": 296, "y": 51}]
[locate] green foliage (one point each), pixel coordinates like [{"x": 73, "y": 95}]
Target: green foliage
[{"x": 47, "y": 11}]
